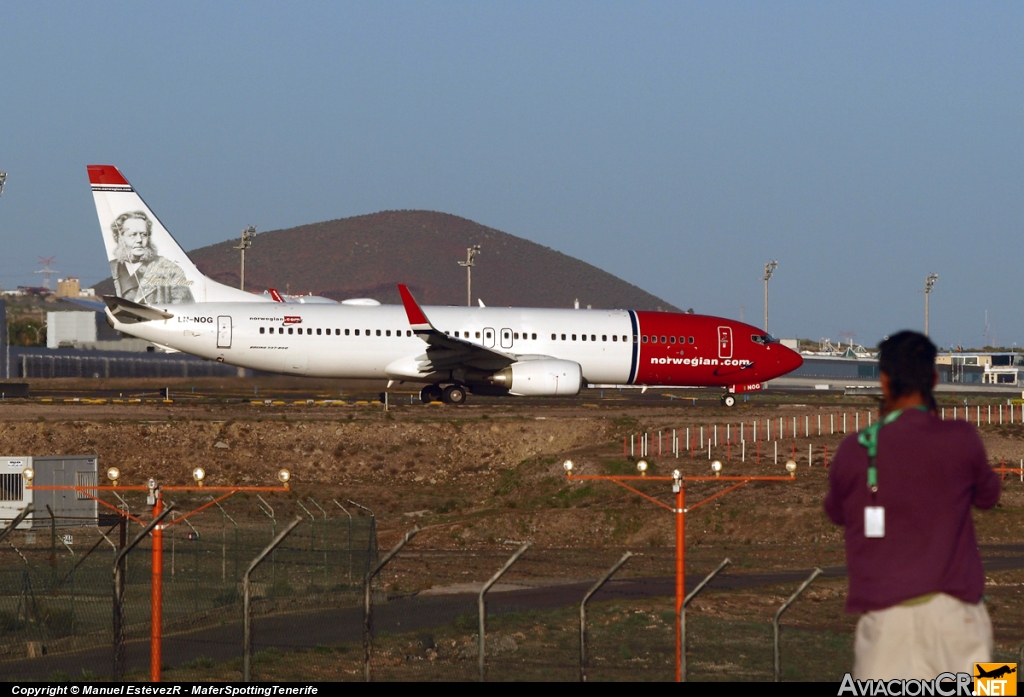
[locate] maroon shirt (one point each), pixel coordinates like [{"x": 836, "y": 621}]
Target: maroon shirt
[{"x": 930, "y": 473}]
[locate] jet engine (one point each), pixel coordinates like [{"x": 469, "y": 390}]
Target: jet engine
[{"x": 541, "y": 378}]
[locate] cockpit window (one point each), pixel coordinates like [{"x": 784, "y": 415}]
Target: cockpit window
[{"x": 763, "y": 339}]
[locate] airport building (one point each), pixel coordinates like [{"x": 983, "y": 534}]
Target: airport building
[
  {"x": 57, "y": 508},
  {"x": 987, "y": 368},
  {"x": 1004, "y": 373},
  {"x": 70, "y": 328}
]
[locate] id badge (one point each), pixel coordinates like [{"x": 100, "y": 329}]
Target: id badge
[{"x": 874, "y": 521}]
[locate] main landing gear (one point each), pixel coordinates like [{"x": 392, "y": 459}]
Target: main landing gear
[
  {"x": 452, "y": 394},
  {"x": 728, "y": 400}
]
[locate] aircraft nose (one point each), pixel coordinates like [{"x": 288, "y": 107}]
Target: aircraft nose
[{"x": 790, "y": 360}]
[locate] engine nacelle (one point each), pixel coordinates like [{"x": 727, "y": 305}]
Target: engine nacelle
[{"x": 540, "y": 378}]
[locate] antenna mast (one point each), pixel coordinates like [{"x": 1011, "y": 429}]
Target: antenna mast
[{"x": 46, "y": 271}]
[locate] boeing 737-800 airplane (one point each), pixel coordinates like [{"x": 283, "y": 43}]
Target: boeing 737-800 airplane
[{"x": 162, "y": 297}]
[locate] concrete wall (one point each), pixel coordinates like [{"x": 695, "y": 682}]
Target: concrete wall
[{"x": 70, "y": 328}]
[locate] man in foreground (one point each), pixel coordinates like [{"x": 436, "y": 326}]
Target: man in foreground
[{"x": 903, "y": 489}]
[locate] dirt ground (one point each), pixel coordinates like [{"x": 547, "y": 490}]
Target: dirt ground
[{"x": 482, "y": 478}]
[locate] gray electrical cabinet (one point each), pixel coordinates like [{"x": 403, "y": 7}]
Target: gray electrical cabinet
[{"x": 70, "y": 508}]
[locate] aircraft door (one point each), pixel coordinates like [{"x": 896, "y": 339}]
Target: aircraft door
[
  {"x": 506, "y": 338},
  {"x": 488, "y": 337},
  {"x": 224, "y": 331},
  {"x": 725, "y": 342}
]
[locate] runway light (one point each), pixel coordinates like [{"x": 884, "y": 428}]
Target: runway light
[
  {"x": 199, "y": 474},
  {"x": 567, "y": 465},
  {"x": 641, "y": 466},
  {"x": 791, "y": 466},
  {"x": 113, "y": 474},
  {"x": 284, "y": 476},
  {"x": 676, "y": 474},
  {"x": 28, "y": 473},
  {"x": 716, "y": 466}
]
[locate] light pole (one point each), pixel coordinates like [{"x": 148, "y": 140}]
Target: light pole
[
  {"x": 469, "y": 263},
  {"x": 769, "y": 269},
  {"x": 247, "y": 236},
  {"x": 154, "y": 498},
  {"x": 929, "y": 283},
  {"x": 679, "y": 510}
]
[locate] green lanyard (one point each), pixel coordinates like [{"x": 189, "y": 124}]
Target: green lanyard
[{"x": 869, "y": 439}]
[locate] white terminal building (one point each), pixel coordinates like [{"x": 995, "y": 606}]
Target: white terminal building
[{"x": 988, "y": 368}]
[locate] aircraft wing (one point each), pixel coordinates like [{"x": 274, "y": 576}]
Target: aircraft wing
[{"x": 445, "y": 352}]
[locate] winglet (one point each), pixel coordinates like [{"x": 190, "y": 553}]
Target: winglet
[
  {"x": 417, "y": 320},
  {"x": 276, "y": 295}
]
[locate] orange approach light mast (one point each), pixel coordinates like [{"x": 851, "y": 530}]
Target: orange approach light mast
[
  {"x": 155, "y": 491},
  {"x": 680, "y": 510}
]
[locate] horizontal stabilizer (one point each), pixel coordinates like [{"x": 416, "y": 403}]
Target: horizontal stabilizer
[
  {"x": 130, "y": 312},
  {"x": 94, "y": 305}
]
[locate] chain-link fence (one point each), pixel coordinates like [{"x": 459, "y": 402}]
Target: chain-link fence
[
  {"x": 308, "y": 614},
  {"x": 56, "y": 589}
]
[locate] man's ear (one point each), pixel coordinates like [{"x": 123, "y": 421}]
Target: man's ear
[
  {"x": 886, "y": 385},
  {"x": 935, "y": 378}
]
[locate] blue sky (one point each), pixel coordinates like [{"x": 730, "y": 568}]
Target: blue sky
[{"x": 677, "y": 145}]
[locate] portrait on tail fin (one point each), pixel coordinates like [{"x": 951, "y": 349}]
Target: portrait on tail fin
[{"x": 140, "y": 274}]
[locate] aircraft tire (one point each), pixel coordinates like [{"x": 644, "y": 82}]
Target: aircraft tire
[
  {"x": 454, "y": 394},
  {"x": 430, "y": 393},
  {"x": 729, "y": 400}
]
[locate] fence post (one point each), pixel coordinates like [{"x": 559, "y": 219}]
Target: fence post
[
  {"x": 481, "y": 606},
  {"x": 372, "y": 534},
  {"x": 16, "y": 521},
  {"x": 778, "y": 614},
  {"x": 682, "y": 612},
  {"x": 313, "y": 501},
  {"x": 53, "y": 547},
  {"x": 269, "y": 512},
  {"x": 246, "y": 607},
  {"x": 349, "y": 537},
  {"x": 583, "y": 612},
  {"x": 368, "y": 604},
  {"x": 119, "y": 657},
  {"x": 224, "y": 544}
]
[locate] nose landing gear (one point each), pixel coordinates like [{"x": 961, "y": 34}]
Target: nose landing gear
[{"x": 728, "y": 400}]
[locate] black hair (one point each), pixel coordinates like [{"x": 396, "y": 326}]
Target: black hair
[{"x": 908, "y": 359}]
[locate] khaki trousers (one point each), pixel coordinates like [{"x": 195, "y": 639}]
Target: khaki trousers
[{"x": 920, "y": 641}]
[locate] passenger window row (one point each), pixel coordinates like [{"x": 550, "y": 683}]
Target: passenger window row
[
  {"x": 476, "y": 335},
  {"x": 466, "y": 335},
  {"x": 666, "y": 339},
  {"x": 592, "y": 337},
  {"x": 337, "y": 332}
]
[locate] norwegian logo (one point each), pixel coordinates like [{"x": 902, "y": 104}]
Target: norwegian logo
[
  {"x": 699, "y": 361},
  {"x": 292, "y": 319}
]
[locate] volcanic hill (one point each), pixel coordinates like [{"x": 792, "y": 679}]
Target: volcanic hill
[{"x": 366, "y": 256}]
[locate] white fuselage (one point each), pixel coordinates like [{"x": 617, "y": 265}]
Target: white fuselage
[{"x": 343, "y": 341}]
